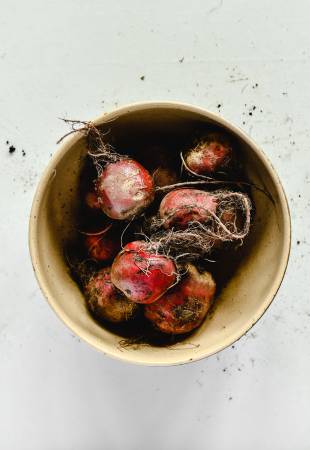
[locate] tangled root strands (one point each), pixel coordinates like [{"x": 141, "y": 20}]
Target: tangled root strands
[
  {"x": 243, "y": 203},
  {"x": 81, "y": 126},
  {"x": 196, "y": 241},
  {"x": 199, "y": 238},
  {"x": 100, "y": 151},
  {"x": 133, "y": 343},
  {"x": 76, "y": 125}
]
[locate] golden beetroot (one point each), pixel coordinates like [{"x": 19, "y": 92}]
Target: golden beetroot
[
  {"x": 105, "y": 301},
  {"x": 142, "y": 274},
  {"x": 184, "y": 307},
  {"x": 124, "y": 189}
]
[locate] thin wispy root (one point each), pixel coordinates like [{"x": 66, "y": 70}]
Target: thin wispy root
[
  {"x": 100, "y": 151},
  {"x": 231, "y": 223},
  {"x": 212, "y": 181}
]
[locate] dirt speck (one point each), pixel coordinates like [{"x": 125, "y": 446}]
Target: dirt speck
[{"x": 142, "y": 78}]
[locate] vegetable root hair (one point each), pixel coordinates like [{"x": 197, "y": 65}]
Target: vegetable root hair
[{"x": 200, "y": 238}]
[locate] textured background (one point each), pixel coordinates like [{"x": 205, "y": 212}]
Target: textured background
[{"x": 72, "y": 58}]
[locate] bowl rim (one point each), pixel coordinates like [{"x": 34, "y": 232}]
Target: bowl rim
[{"x": 46, "y": 176}]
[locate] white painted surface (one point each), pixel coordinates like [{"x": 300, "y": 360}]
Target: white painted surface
[{"x": 75, "y": 59}]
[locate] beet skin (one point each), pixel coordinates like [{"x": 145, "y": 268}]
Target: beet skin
[
  {"x": 141, "y": 274},
  {"x": 184, "y": 307},
  {"x": 124, "y": 189},
  {"x": 181, "y": 206},
  {"x": 105, "y": 301},
  {"x": 211, "y": 154}
]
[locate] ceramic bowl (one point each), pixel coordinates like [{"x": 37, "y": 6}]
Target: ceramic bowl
[{"x": 247, "y": 294}]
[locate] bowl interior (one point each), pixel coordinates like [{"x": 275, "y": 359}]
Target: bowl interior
[{"x": 246, "y": 295}]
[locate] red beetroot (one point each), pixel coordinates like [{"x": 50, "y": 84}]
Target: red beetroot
[
  {"x": 105, "y": 301},
  {"x": 164, "y": 176},
  {"x": 141, "y": 274},
  {"x": 211, "y": 154},
  {"x": 181, "y": 206},
  {"x": 184, "y": 307},
  {"x": 124, "y": 189},
  {"x": 92, "y": 201},
  {"x": 102, "y": 246}
]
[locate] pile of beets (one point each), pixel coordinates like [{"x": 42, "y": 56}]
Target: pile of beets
[{"x": 177, "y": 222}]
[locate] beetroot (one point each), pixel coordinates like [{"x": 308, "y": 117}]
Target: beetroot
[
  {"x": 197, "y": 221},
  {"x": 105, "y": 301},
  {"x": 164, "y": 176},
  {"x": 181, "y": 206},
  {"x": 124, "y": 189},
  {"x": 142, "y": 274},
  {"x": 184, "y": 307},
  {"x": 102, "y": 246},
  {"x": 92, "y": 201},
  {"x": 211, "y": 154}
]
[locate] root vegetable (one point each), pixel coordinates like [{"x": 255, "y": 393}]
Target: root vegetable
[
  {"x": 105, "y": 301},
  {"x": 142, "y": 274},
  {"x": 92, "y": 201},
  {"x": 182, "y": 206},
  {"x": 211, "y": 154},
  {"x": 184, "y": 307},
  {"x": 194, "y": 229},
  {"x": 124, "y": 189},
  {"x": 102, "y": 246},
  {"x": 164, "y": 176}
]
